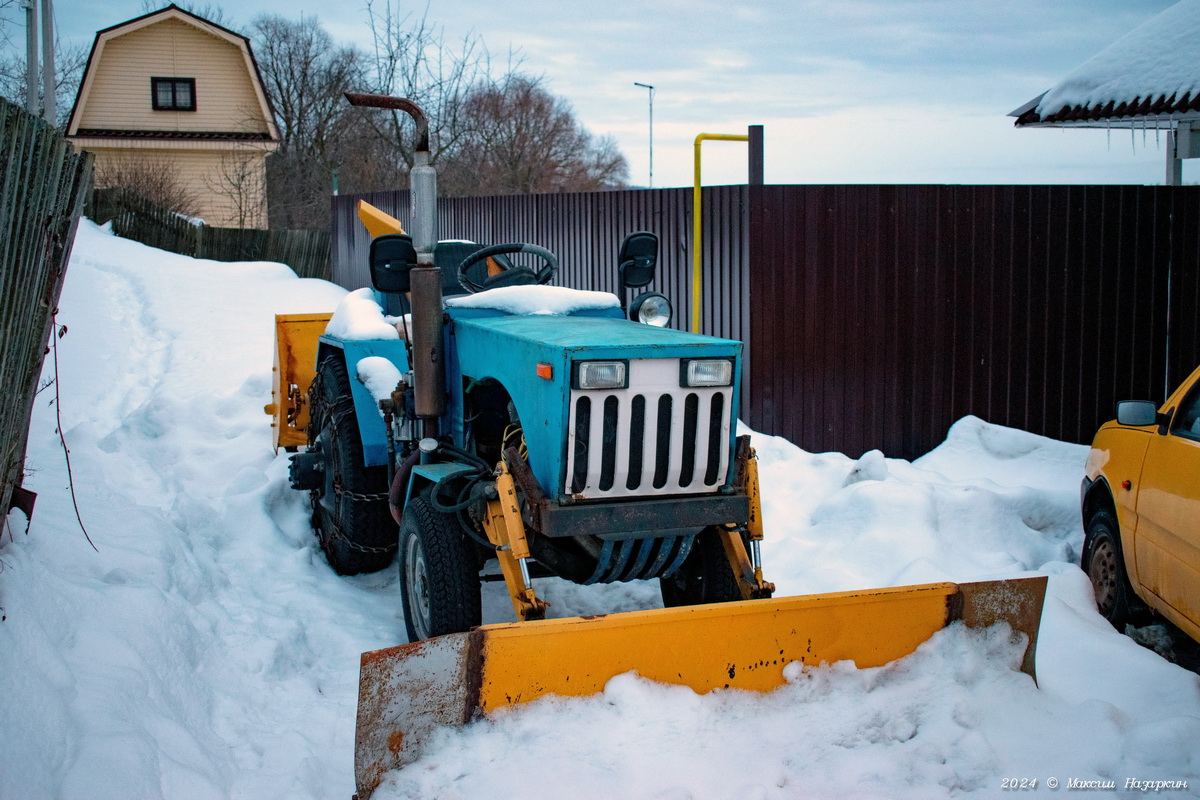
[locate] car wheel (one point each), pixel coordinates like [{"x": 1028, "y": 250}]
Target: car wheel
[
  {"x": 439, "y": 574},
  {"x": 1105, "y": 567}
]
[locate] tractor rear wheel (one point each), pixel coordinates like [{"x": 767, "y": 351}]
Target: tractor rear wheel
[
  {"x": 704, "y": 577},
  {"x": 350, "y": 510},
  {"x": 439, "y": 573}
]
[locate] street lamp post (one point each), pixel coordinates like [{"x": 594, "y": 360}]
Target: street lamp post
[{"x": 651, "y": 93}]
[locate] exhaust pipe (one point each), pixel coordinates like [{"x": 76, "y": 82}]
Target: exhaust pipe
[{"x": 429, "y": 369}]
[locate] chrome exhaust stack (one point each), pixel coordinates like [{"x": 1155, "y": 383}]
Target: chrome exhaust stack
[{"x": 429, "y": 370}]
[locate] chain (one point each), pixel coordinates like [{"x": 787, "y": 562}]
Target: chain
[
  {"x": 336, "y": 533},
  {"x": 341, "y": 408}
]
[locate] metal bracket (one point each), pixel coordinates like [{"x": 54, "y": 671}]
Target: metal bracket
[
  {"x": 505, "y": 529},
  {"x": 747, "y": 567}
]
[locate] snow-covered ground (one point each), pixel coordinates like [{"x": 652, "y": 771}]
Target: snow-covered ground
[{"x": 207, "y": 650}]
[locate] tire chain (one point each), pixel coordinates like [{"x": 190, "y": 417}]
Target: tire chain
[{"x": 337, "y": 413}]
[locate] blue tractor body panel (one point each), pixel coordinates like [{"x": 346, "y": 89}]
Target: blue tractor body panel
[
  {"x": 484, "y": 345},
  {"x": 366, "y": 410}
]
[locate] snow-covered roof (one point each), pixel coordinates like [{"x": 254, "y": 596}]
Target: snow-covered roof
[{"x": 1150, "y": 74}]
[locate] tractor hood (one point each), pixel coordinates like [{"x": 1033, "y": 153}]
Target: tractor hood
[{"x": 536, "y": 359}]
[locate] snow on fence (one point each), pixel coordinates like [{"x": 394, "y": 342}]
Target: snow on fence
[
  {"x": 876, "y": 316},
  {"x": 305, "y": 251},
  {"x": 42, "y": 185}
]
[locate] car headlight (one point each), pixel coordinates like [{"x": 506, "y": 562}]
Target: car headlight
[
  {"x": 651, "y": 308},
  {"x": 706, "y": 372},
  {"x": 600, "y": 375}
]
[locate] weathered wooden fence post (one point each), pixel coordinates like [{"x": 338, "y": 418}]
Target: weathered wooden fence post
[{"x": 43, "y": 182}]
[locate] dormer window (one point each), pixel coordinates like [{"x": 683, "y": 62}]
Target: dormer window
[{"x": 173, "y": 94}]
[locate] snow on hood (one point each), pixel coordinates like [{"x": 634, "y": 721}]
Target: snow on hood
[
  {"x": 359, "y": 317},
  {"x": 1159, "y": 58},
  {"x": 537, "y": 300}
]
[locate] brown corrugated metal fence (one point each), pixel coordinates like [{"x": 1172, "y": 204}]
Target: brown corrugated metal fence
[
  {"x": 881, "y": 314},
  {"x": 885, "y": 313},
  {"x": 585, "y": 231}
]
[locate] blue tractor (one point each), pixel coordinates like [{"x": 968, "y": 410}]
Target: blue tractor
[
  {"x": 537, "y": 425},
  {"x": 485, "y": 414}
]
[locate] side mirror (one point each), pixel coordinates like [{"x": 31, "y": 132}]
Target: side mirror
[
  {"x": 637, "y": 259},
  {"x": 1137, "y": 413},
  {"x": 392, "y": 256}
]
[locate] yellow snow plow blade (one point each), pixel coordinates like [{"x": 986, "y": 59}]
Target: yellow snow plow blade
[
  {"x": 407, "y": 692},
  {"x": 296, "y": 338}
]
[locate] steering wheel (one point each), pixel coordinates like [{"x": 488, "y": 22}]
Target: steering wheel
[{"x": 512, "y": 275}]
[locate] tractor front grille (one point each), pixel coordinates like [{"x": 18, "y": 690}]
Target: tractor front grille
[{"x": 654, "y": 437}]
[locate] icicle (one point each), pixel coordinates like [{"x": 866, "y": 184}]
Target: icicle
[{"x": 1108, "y": 133}]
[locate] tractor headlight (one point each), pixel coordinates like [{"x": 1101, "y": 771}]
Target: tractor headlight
[
  {"x": 651, "y": 308},
  {"x": 706, "y": 372},
  {"x": 600, "y": 375}
]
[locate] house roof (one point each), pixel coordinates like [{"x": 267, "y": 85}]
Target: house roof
[
  {"x": 171, "y": 12},
  {"x": 1149, "y": 75}
]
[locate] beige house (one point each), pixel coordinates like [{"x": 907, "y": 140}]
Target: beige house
[{"x": 172, "y": 97}]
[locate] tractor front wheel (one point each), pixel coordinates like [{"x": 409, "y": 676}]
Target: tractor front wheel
[
  {"x": 439, "y": 574},
  {"x": 350, "y": 510},
  {"x": 704, "y": 577}
]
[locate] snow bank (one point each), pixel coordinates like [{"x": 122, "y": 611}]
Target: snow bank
[
  {"x": 549, "y": 300},
  {"x": 208, "y": 651}
]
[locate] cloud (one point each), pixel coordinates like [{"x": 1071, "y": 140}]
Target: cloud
[{"x": 900, "y": 78}]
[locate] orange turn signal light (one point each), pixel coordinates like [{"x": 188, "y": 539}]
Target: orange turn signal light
[{"x": 545, "y": 371}]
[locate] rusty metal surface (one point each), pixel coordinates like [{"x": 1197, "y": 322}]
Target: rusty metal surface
[
  {"x": 396, "y": 104},
  {"x": 409, "y": 691},
  {"x": 1017, "y": 602}
]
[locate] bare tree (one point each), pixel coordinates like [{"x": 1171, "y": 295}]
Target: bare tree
[
  {"x": 487, "y": 134},
  {"x": 241, "y": 181},
  {"x": 411, "y": 58},
  {"x": 69, "y": 62},
  {"x": 305, "y": 76},
  {"x": 149, "y": 178},
  {"x": 522, "y": 139}
]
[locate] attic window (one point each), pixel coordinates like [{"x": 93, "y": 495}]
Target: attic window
[{"x": 173, "y": 94}]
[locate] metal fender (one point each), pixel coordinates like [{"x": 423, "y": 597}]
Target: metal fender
[{"x": 366, "y": 410}]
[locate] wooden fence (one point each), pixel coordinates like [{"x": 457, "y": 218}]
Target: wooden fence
[
  {"x": 881, "y": 314},
  {"x": 306, "y": 252},
  {"x": 43, "y": 182}
]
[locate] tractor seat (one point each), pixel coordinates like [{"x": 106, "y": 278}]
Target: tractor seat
[{"x": 448, "y": 255}]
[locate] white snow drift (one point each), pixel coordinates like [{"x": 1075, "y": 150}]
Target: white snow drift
[{"x": 208, "y": 651}]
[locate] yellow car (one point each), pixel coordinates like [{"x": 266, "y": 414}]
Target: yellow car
[{"x": 1141, "y": 511}]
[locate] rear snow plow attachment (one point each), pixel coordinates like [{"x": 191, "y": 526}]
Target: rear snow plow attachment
[
  {"x": 407, "y": 692},
  {"x": 296, "y": 338}
]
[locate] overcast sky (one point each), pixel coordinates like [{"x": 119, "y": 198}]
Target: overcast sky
[{"x": 849, "y": 91}]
